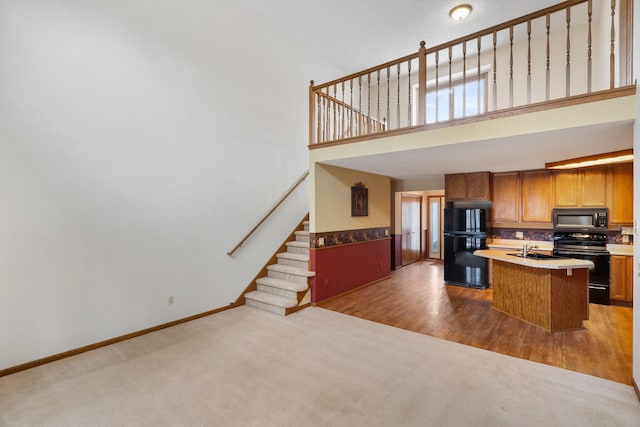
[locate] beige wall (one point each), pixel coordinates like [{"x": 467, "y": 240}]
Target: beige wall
[{"x": 331, "y": 195}]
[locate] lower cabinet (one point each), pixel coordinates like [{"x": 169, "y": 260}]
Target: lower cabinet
[{"x": 621, "y": 278}]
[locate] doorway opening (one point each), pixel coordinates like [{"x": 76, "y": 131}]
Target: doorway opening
[{"x": 411, "y": 228}]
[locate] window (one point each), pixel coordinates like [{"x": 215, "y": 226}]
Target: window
[{"x": 468, "y": 98}]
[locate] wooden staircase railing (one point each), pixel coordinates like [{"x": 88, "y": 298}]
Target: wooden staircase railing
[
  {"x": 268, "y": 214},
  {"x": 558, "y": 52}
]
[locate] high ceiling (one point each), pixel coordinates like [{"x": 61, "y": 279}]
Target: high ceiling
[{"x": 357, "y": 34}]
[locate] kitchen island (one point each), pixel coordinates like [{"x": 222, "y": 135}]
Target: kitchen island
[{"x": 550, "y": 293}]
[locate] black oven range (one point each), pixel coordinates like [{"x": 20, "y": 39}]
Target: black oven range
[{"x": 592, "y": 247}]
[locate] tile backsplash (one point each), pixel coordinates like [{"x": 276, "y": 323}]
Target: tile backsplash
[{"x": 613, "y": 237}]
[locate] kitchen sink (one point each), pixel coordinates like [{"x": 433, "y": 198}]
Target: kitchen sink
[{"x": 536, "y": 255}]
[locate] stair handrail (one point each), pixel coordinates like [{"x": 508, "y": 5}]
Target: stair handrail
[{"x": 271, "y": 211}]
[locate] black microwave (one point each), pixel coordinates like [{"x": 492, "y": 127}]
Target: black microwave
[{"x": 581, "y": 219}]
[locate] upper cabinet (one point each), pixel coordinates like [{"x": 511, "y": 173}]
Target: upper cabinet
[
  {"x": 537, "y": 196},
  {"x": 620, "y": 189},
  {"x": 467, "y": 187},
  {"x": 530, "y": 196},
  {"x": 506, "y": 197},
  {"x": 580, "y": 187}
]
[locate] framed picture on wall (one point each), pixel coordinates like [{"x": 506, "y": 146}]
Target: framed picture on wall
[{"x": 359, "y": 200}]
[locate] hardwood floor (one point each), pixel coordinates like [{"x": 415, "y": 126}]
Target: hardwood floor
[{"x": 415, "y": 298}]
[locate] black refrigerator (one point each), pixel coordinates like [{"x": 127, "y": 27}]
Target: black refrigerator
[{"x": 465, "y": 230}]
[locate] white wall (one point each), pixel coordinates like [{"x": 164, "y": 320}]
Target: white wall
[{"x": 139, "y": 141}]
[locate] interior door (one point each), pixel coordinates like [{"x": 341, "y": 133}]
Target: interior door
[
  {"x": 435, "y": 205},
  {"x": 411, "y": 226}
]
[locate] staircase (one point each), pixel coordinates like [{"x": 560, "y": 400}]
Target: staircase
[{"x": 285, "y": 288}]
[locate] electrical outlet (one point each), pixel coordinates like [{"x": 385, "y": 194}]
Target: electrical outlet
[
  {"x": 625, "y": 238},
  {"x": 171, "y": 300},
  {"x": 321, "y": 241},
  {"x": 519, "y": 235}
]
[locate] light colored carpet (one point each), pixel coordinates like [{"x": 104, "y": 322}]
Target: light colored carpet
[{"x": 245, "y": 367}]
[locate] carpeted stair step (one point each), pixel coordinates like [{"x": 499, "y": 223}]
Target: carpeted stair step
[
  {"x": 302, "y": 236},
  {"x": 294, "y": 260},
  {"x": 287, "y": 272},
  {"x": 283, "y": 288},
  {"x": 269, "y": 302},
  {"x": 298, "y": 247}
]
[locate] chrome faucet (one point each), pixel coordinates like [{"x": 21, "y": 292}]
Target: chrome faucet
[{"x": 527, "y": 248}]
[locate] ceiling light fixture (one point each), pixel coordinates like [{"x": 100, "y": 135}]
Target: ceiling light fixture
[
  {"x": 460, "y": 12},
  {"x": 599, "y": 159}
]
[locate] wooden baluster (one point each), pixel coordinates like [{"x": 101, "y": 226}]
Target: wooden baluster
[
  {"x": 388, "y": 118},
  {"x": 335, "y": 107},
  {"x": 495, "y": 76},
  {"x": 359, "y": 113},
  {"x": 368, "y": 128},
  {"x": 612, "y": 55},
  {"x": 590, "y": 18},
  {"x": 327, "y": 117},
  {"x": 319, "y": 125},
  {"x": 511, "y": 66},
  {"x": 479, "y": 80},
  {"x": 422, "y": 84},
  {"x": 398, "y": 96},
  {"x": 378, "y": 96},
  {"x": 529, "y": 61},
  {"x": 568, "y": 72},
  {"x": 351, "y": 133},
  {"x": 312, "y": 113},
  {"x": 409, "y": 110},
  {"x": 342, "y": 111},
  {"x": 324, "y": 113},
  {"x": 437, "y": 83},
  {"x": 464, "y": 78},
  {"x": 548, "y": 71},
  {"x": 450, "y": 87}
]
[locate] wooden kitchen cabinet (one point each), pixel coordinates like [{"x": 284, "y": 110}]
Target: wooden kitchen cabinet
[
  {"x": 580, "y": 187},
  {"x": 467, "y": 187},
  {"x": 593, "y": 187},
  {"x": 506, "y": 197},
  {"x": 620, "y": 191},
  {"x": 621, "y": 273},
  {"x": 455, "y": 187},
  {"x": 566, "y": 188},
  {"x": 537, "y": 196}
]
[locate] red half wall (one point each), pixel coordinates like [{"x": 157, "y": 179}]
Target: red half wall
[{"x": 342, "y": 268}]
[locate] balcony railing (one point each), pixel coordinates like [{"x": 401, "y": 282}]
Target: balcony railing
[{"x": 560, "y": 52}]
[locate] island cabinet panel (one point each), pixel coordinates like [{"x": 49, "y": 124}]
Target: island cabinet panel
[
  {"x": 506, "y": 197},
  {"x": 537, "y": 197},
  {"x": 621, "y": 288},
  {"x": 620, "y": 186},
  {"x": 553, "y": 299},
  {"x": 522, "y": 292},
  {"x": 569, "y": 298}
]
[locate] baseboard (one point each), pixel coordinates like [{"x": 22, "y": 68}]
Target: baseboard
[
  {"x": 635, "y": 387},
  {"x": 84, "y": 349}
]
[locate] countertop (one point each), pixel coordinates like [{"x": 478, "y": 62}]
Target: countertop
[
  {"x": 516, "y": 245},
  {"x": 549, "y": 264}
]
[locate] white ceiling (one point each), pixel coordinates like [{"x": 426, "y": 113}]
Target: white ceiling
[{"x": 357, "y": 34}]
